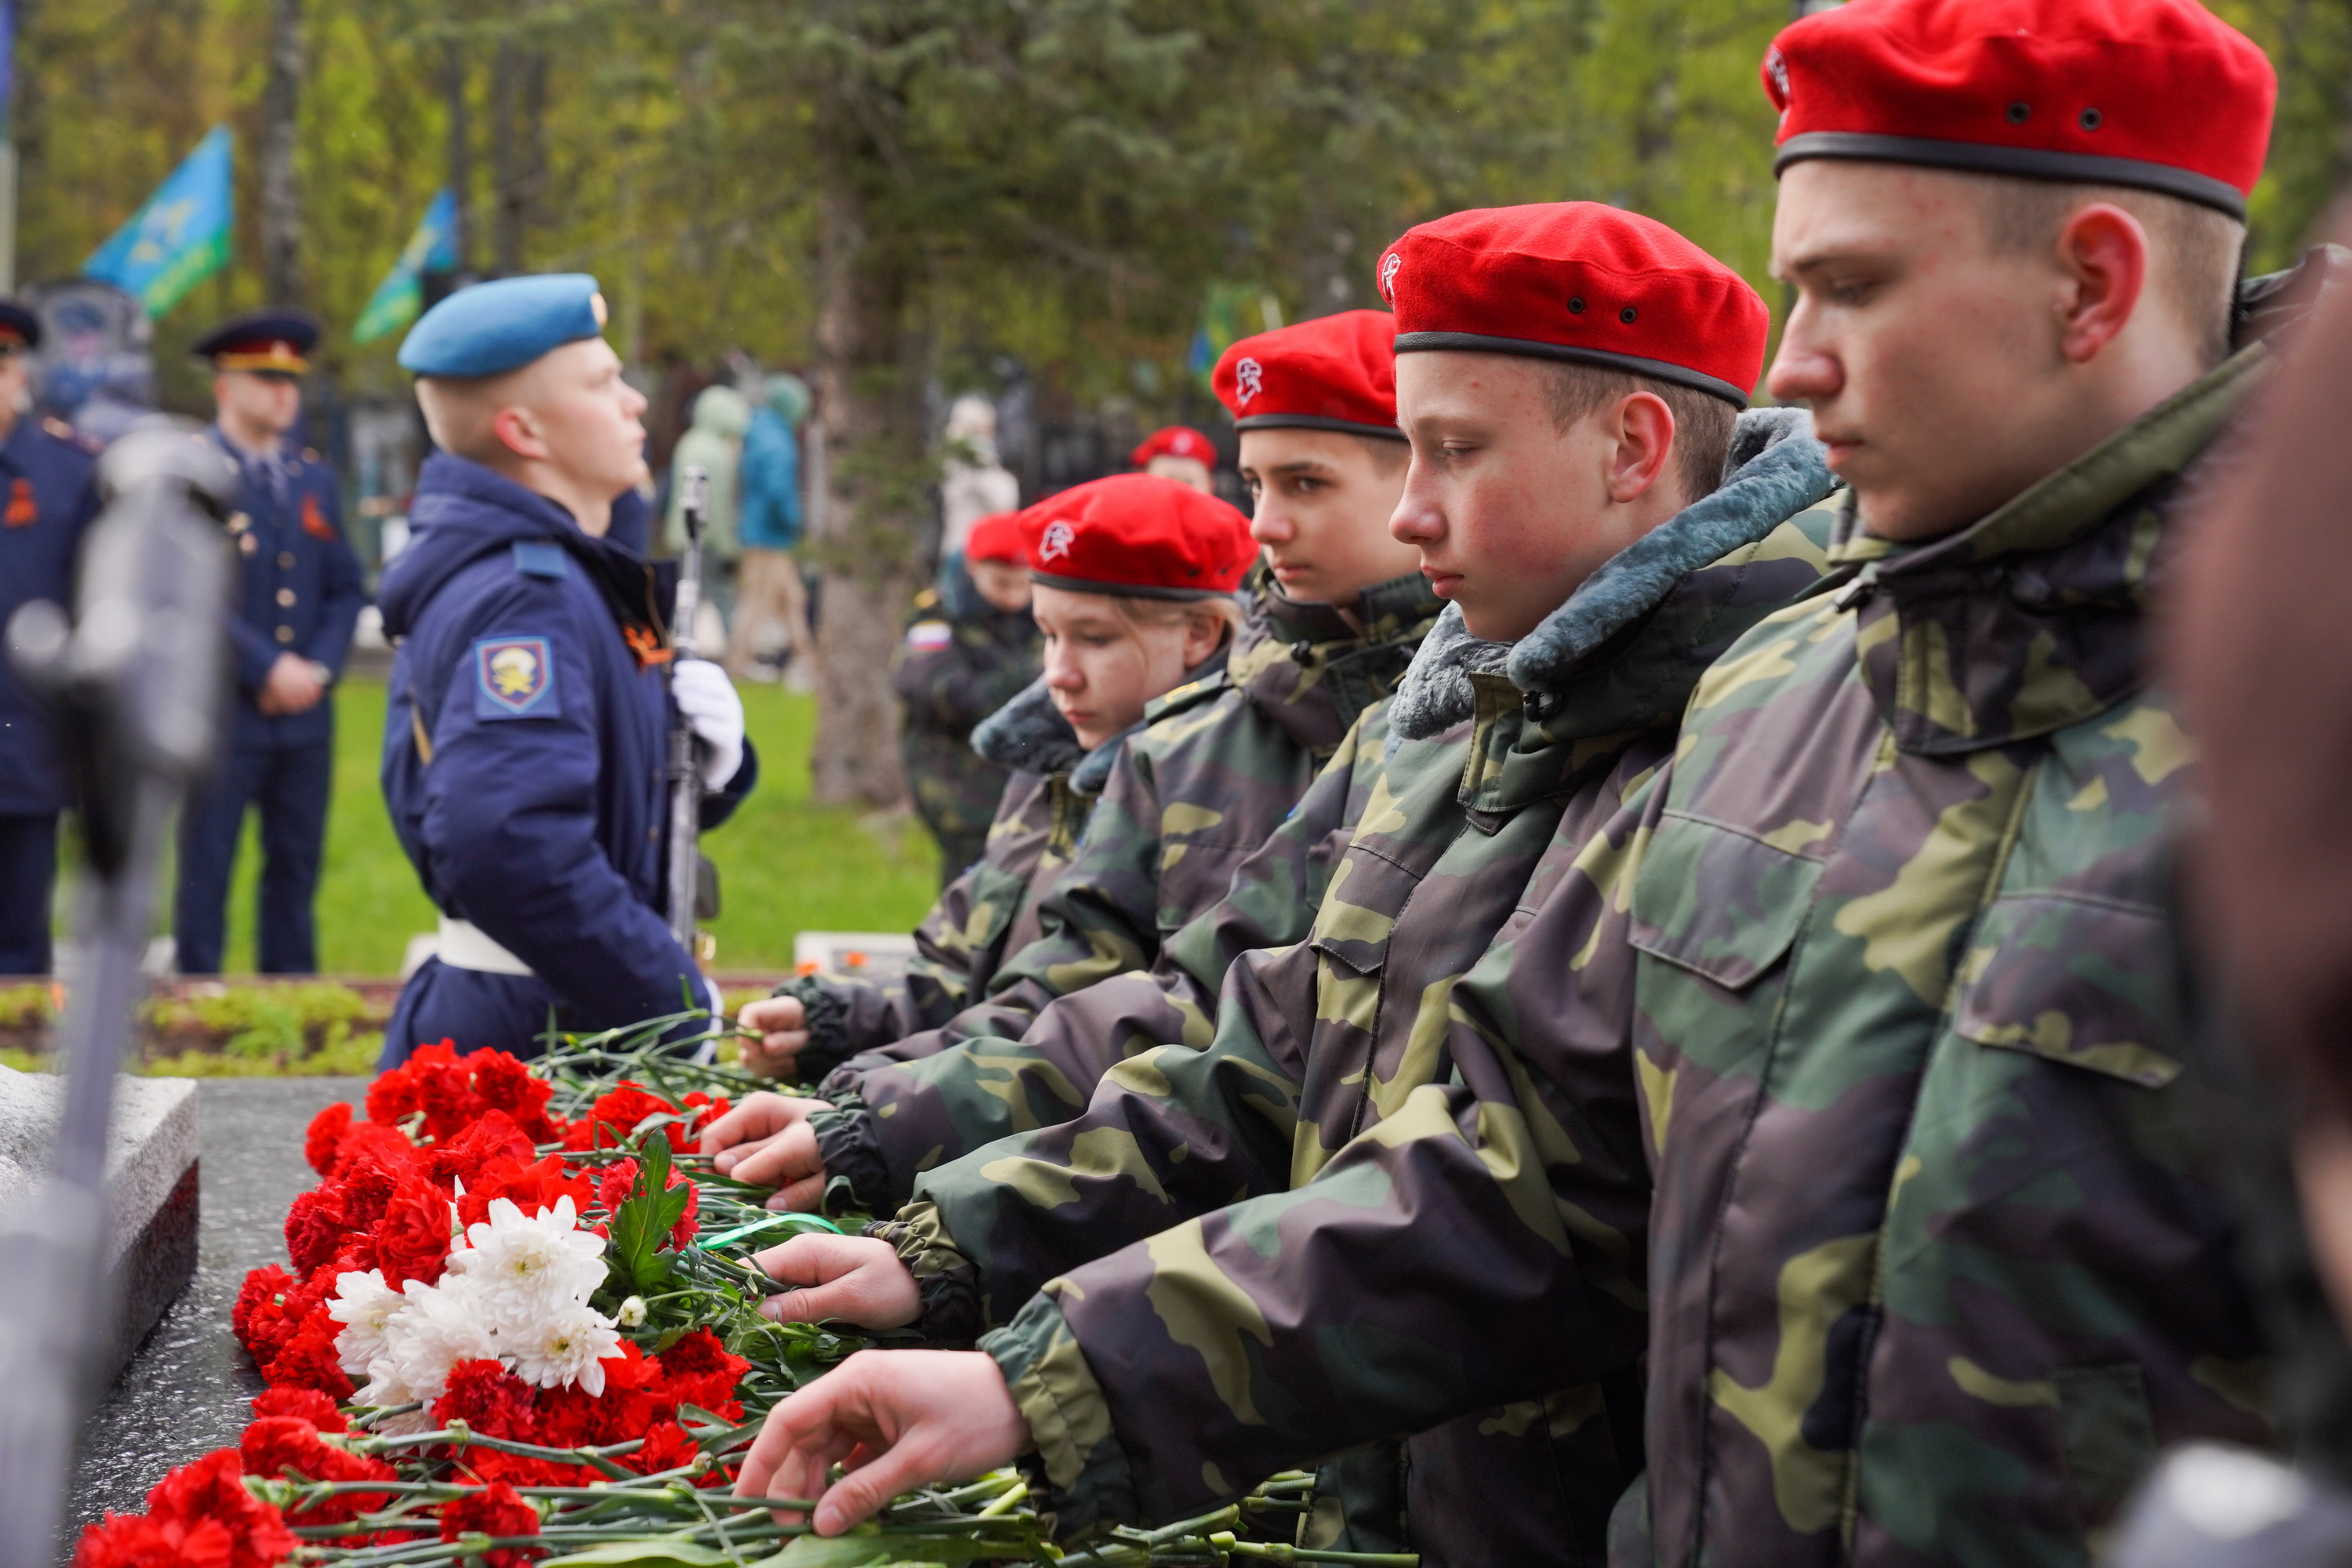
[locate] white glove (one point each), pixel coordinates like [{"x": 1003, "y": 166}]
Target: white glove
[{"x": 707, "y": 698}]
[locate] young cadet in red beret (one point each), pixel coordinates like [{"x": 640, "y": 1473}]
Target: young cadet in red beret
[
  {"x": 1933, "y": 1269},
  {"x": 1584, "y": 490},
  {"x": 1133, "y": 582},
  {"x": 1224, "y": 761},
  {"x": 1177, "y": 452}
]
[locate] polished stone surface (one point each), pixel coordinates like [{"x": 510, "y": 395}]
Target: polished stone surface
[{"x": 186, "y": 1391}]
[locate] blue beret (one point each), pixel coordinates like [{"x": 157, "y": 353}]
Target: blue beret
[{"x": 495, "y": 326}]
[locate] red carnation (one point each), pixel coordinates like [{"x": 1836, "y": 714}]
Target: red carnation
[
  {"x": 491, "y": 1400},
  {"x": 711, "y": 1107},
  {"x": 259, "y": 1318},
  {"x": 532, "y": 1187},
  {"x": 495, "y": 1510},
  {"x": 668, "y": 1447},
  {"x": 325, "y": 1136},
  {"x": 309, "y": 1360},
  {"x": 698, "y": 1370},
  {"x": 506, "y": 1084},
  {"x": 614, "y": 1118},
  {"x": 315, "y": 1226},
  {"x": 388, "y": 1145},
  {"x": 411, "y": 1241},
  {"x": 302, "y": 1405},
  {"x": 492, "y": 1136},
  {"x": 279, "y": 1447},
  {"x": 209, "y": 1492},
  {"x": 391, "y": 1098},
  {"x": 135, "y": 1541}
]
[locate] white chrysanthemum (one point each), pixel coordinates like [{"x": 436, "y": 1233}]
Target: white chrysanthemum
[
  {"x": 383, "y": 1386},
  {"x": 527, "y": 1266},
  {"x": 564, "y": 1346},
  {"x": 362, "y": 1304},
  {"x": 440, "y": 1326}
]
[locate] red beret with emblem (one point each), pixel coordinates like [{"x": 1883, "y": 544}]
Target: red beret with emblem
[
  {"x": 1579, "y": 281},
  {"x": 997, "y": 537},
  {"x": 1139, "y": 535},
  {"x": 2159, "y": 94},
  {"x": 1175, "y": 441},
  {"x": 1335, "y": 373}
]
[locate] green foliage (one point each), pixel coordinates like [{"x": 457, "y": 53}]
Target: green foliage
[{"x": 640, "y": 1252}]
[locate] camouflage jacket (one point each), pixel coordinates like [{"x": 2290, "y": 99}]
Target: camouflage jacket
[
  {"x": 990, "y": 910},
  {"x": 1235, "y": 1259},
  {"x": 962, "y": 660},
  {"x": 1935, "y": 1268},
  {"x": 1219, "y": 765}
]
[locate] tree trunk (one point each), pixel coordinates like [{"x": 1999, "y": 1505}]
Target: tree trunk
[
  {"x": 460, "y": 154},
  {"x": 518, "y": 146},
  {"x": 281, "y": 194},
  {"x": 869, "y": 405}
]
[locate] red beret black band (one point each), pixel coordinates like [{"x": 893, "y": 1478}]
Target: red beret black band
[
  {"x": 1656, "y": 369},
  {"x": 1316, "y": 422},
  {"x": 1125, "y": 590},
  {"x": 2027, "y": 163}
]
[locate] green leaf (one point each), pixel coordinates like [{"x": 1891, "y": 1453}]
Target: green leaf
[
  {"x": 867, "y": 1548},
  {"x": 643, "y": 1554},
  {"x": 641, "y": 1226}
]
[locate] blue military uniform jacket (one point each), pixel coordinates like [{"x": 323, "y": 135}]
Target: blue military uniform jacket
[
  {"x": 524, "y": 752},
  {"x": 300, "y": 587},
  {"x": 49, "y": 497}
]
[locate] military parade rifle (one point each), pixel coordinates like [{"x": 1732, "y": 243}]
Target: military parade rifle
[
  {"x": 685, "y": 778},
  {"x": 137, "y": 678}
]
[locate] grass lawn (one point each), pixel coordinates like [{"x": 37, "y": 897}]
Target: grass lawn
[{"x": 785, "y": 864}]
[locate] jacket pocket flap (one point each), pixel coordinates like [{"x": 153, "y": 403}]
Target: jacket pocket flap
[
  {"x": 2085, "y": 983},
  {"x": 1719, "y": 902}
]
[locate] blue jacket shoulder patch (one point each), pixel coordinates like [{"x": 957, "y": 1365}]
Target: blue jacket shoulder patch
[
  {"x": 514, "y": 677},
  {"x": 540, "y": 558}
]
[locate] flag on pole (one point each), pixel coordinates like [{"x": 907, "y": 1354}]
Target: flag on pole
[
  {"x": 179, "y": 238},
  {"x": 432, "y": 248}
]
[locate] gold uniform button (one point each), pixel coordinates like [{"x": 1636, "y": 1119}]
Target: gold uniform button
[
  {"x": 285, "y": 559},
  {"x": 286, "y": 634},
  {"x": 285, "y": 596}
]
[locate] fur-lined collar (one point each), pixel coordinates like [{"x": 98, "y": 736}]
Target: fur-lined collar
[{"x": 1775, "y": 469}]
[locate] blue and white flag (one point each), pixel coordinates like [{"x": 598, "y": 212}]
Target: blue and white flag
[
  {"x": 432, "y": 248},
  {"x": 179, "y": 238}
]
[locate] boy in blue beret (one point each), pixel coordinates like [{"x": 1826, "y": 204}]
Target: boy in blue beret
[
  {"x": 299, "y": 590},
  {"x": 524, "y": 746}
]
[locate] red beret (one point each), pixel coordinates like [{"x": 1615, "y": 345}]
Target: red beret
[
  {"x": 1335, "y": 373},
  {"x": 997, "y": 537},
  {"x": 1578, "y": 281},
  {"x": 2160, "y": 94},
  {"x": 1139, "y": 535},
  {"x": 1176, "y": 441}
]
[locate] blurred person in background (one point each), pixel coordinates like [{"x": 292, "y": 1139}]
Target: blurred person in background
[
  {"x": 1180, "y": 453},
  {"x": 770, "y": 519},
  {"x": 974, "y": 483},
  {"x": 970, "y": 648},
  {"x": 715, "y": 445},
  {"x": 300, "y": 596},
  {"x": 52, "y": 497}
]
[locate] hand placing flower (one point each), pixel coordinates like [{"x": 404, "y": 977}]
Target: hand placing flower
[
  {"x": 854, "y": 1279},
  {"x": 898, "y": 1420},
  {"x": 767, "y": 1141}
]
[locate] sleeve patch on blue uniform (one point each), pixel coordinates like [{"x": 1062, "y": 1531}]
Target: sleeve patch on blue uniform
[
  {"x": 514, "y": 677},
  {"x": 540, "y": 558}
]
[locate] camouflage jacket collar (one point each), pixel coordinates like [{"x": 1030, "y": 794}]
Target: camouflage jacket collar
[
  {"x": 1306, "y": 669},
  {"x": 2030, "y": 620},
  {"x": 1616, "y": 655}
]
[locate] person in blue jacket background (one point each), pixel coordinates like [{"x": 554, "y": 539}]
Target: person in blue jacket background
[
  {"x": 527, "y": 734},
  {"x": 49, "y": 475},
  {"x": 300, "y": 593}
]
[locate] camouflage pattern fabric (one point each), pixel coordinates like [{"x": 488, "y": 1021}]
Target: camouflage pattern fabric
[
  {"x": 960, "y": 660},
  {"x": 1242, "y": 1257},
  {"x": 1219, "y": 766},
  {"x": 1935, "y": 1269}
]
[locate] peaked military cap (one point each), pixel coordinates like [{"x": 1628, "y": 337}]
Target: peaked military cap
[
  {"x": 276, "y": 341},
  {"x": 1334, "y": 373},
  {"x": 502, "y": 325},
  {"x": 19, "y": 327},
  {"x": 1580, "y": 281},
  {"x": 1175, "y": 441},
  {"x": 2160, "y": 94},
  {"x": 1139, "y": 536}
]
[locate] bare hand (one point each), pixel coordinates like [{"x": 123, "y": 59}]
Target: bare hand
[
  {"x": 292, "y": 686},
  {"x": 898, "y": 1420},
  {"x": 767, "y": 1142},
  {"x": 855, "y": 1278},
  {"x": 782, "y": 1028}
]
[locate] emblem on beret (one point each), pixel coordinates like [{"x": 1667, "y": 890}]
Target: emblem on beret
[
  {"x": 1776, "y": 67},
  {"x": 1389, "y": 265},
  {"x": 513, "y": 674},
  {"x": 1057, "y": 543},
  {"x": 1251, "y": 375}
]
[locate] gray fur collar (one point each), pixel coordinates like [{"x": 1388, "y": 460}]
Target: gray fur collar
[
  {"x": 1775, "y": 470},
  {"x": 1029, "y": 735}
]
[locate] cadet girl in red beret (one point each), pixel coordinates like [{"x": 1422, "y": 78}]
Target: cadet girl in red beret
[{"x": 1179, "y": 452}]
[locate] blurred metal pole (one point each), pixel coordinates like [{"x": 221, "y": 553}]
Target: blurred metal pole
[
  {"x": 684, "y": 777},
  {"x": 137, "y": 680}
]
